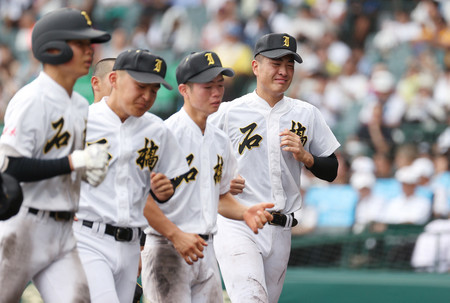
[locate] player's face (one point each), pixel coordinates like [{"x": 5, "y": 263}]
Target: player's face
[
  {"x": 205, "y": 98},
  {"x": 82, "y": 57},
  {"x": 274, "y": 76},
  {"x": 133, "y": 98}
]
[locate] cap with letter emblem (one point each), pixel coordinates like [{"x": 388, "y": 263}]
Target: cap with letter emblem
[
  {"x": 276, "y": 46},
  {"x": 143, "y": 66},
  {"x": 201, "y": 67}
]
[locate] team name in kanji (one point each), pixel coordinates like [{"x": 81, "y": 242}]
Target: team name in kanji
[{"x": 147, "y": 155}]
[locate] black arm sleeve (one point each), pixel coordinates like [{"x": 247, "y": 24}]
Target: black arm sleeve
[
  {"x": 30, "y": 170},
  {"x": 325, "y": 168}
]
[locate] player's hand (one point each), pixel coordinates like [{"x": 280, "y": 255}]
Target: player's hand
[
  {"x": 237, "y": 185},
  {"x": 95, "y": 176},
  {"x": 257, "y": 215},
  {"x": 161, "y": 186},
  {"x": 189, "y": 246},
  {"x": 94, "y": 156},
  {"x": 291, "y": 142}
]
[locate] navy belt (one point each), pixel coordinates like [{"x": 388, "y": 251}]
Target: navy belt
[
  {"x": 123, "y": 234},
  {"x": 281, "y": 219},
  {"x": 57, "y": 215},
  {"x": 205, "y": 237}
]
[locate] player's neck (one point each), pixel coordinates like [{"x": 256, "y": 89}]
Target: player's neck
[
  {"x": 271, "y": 99},
  {"x": 199, "y": 118},
  {"x": 66, "y": 81}
]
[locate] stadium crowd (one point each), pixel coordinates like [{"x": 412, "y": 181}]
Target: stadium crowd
[{"x": 378, "y": 70}]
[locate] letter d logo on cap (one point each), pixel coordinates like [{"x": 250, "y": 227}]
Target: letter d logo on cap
[{"x": 286, "y": 41}]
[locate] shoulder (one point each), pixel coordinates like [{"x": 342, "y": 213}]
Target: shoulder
[
  {"x": 29, "y": 98},
  {"x": 219, "y": 135},
  {"x": 174, "y": 119},
  {"x": 300, "y": 105},
  {"x": 79, "y": 100},
  {"x": 151, "y": 118},
  {"x": 236, "y": 103},
  {"x": 230, "y": 106}
]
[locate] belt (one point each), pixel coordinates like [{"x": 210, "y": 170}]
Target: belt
[
  {"x": 57, "y": 215},
  {"x": 123, "y": 234},
  {"x": 205, "y": 237},
  {"x": 281, "y": 219}
]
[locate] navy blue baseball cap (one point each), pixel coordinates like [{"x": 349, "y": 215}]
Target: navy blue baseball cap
[
  {"x": 276, "y": 46},
  {"x": 143, "y": 66},
  {"x": 201, "y": 67}
]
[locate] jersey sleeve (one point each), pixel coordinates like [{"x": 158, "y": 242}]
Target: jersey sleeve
[
  {"x": 323, "y": 142},
  {"x": 23, "y": 126}
]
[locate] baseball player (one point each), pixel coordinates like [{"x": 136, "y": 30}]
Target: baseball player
[
  {"x": 142, "y": 149},
  {"x": 273, "y": 138},
  {"x": 178, "y": 261},
  {"x": 100, "y": 78},
  {"x": 42, "y": 146}
]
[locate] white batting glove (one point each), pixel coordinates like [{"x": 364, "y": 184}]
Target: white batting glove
[
  {"x": 94, "y": 156},
  {"x": 95, "y": 176}
]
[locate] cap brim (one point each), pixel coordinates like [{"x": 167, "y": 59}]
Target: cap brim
[
  {"x": 209, "y": 74},
  {"x": 148, "y": 78},
  {"x": 96, "y": 36},
  {"x": 278, "y": 53}
]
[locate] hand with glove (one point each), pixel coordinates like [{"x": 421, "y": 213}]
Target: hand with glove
[{"x": 92, "y": 161}]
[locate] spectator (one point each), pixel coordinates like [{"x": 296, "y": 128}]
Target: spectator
[
  {"x": 441, "y": 184},
  {"x": 381, "y": 113},
  {"x": 408, "y": 208},
  {"x": 432, "y": 250},
  {"x": 238, "y": 56},
  {"x": 177, "y": 32},
  {"x": 370, "y": 207}
]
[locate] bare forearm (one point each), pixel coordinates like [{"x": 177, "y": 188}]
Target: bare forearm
[
  {"x": 308, "y": 159},
  {"x": 158, "y": 220},
  {"x": 231, "y": 208}
]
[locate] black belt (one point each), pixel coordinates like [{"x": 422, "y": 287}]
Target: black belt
[
  {"x": 281, "y": 219},
  {"x": 205, "y": 237},
  {"x": 57, "y": 215},
  {"x": 123, "y": 234}
]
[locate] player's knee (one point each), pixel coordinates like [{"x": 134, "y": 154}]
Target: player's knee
[{"x": 253, "y": 291}]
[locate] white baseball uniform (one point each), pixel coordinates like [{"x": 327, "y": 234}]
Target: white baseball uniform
[
  {"x": 253, "y": 266},
  {"x": 43, "y": 121},
  {"x": 165, "y": 275},
  {"x": 138, "y": 146}
]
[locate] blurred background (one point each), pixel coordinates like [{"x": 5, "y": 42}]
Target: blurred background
[{"x": 378, "y": 70}]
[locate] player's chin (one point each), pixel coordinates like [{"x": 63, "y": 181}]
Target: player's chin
[
  {"x": 281, "y": 86},
  {"x": 215, "y": 106},
  {"x": 139, "y": 112},
  {"x": 87, "y": 65}
]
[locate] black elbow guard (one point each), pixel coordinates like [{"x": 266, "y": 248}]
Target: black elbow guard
[{"x": 325, "y": 168}]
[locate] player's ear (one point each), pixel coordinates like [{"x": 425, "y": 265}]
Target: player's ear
[
  {"x": 94, "y": 83},
  {"x": 255, "y": 65},
  {"x": 113, "y": 79},
  {"x": 182, "y": 89}
]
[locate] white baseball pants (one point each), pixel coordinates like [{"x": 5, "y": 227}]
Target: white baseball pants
[
  {"x": 253, "y": 266},
  {"x": 167, "y": 278},
  {"x": 111, "y": 266},
  {"x": 36, "y": 247}
]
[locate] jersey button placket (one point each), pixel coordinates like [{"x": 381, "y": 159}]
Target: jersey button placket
[
  {"x": 206, "y": 176},
  {"x": 274, "y": 151},
  {"x": 123, "y": 211}
]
